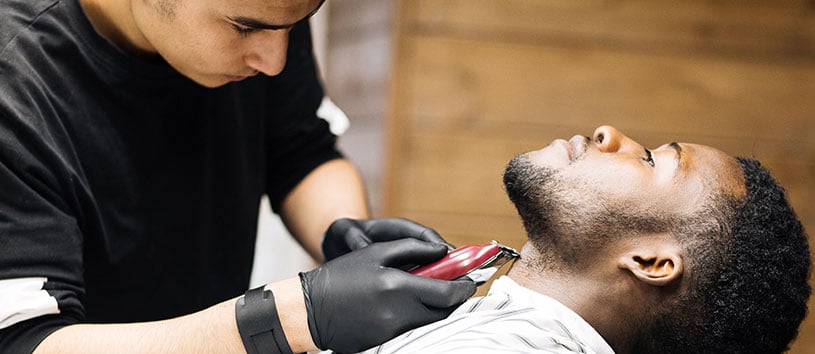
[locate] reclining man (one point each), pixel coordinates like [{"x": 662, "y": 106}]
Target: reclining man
[{"x": 682, "y": 249}]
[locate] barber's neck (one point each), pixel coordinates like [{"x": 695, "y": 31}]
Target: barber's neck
[
  {"x": 594, "y": 292},
  {"x": 114, "y": 20}
]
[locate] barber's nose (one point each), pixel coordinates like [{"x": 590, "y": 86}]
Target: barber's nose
[
  {"x": 609, "y": 139},
  {"x": 267, "y": 53}
]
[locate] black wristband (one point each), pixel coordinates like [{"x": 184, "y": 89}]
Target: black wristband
[{"x": 258, "y": 323}]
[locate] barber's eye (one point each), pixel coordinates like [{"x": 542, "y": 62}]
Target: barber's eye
[
  {"x": 243, "y": 31},
  {"x": 649, "y": 157}
]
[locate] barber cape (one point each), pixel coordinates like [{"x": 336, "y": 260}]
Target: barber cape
[{"x": 509, "y": 319}]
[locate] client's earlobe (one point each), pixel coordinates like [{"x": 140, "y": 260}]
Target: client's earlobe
[{"x": 653, "y": 268}]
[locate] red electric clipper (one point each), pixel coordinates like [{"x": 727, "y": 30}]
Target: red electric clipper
[{"x": 478, "y": 263}]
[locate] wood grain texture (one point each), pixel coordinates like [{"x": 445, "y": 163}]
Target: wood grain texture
[
  {"x": 478, "y": 81},
  {"x": 756, "y": 29}
]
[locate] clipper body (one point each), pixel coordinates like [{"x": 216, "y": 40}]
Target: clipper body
[{"x": 476, "y": 262}]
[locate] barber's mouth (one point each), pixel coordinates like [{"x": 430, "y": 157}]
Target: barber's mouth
[
  {"x": 240, "y": 77},
  {"x": 236, "y": 78}
]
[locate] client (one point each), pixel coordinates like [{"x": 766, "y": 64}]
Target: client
[{"x": 682, "y": 249}]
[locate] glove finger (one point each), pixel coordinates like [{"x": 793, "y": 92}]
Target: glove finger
[
  {"x": 442, "y": 294},
  {"x": 355, "y": 239},
  {"x": 343, "y": 236},
  {"x": 403, "y": 252},
  {"x": 396, "y": 228},
  {"x": 440, "y": 313}
]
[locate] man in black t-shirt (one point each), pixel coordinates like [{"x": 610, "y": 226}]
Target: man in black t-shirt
[{"x": 136, "y": 140}]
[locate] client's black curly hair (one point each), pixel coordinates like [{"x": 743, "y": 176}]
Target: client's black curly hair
[{"x": 752, "y": 291}]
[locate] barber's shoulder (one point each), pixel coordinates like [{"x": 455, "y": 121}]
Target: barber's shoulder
[{"x": 18, "y": 15}]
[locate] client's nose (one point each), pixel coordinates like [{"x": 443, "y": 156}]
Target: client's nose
[{"x": 609, "y": 139}]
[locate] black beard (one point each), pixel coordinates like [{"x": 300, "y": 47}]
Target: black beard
[
  {"x": 536, "y": 193},
  {"x": 567, "y": 219},
  {"x": 532, "y": 190},
  {"x": 525, "y": 185}
]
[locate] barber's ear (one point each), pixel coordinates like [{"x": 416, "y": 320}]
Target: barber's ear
[{"x": 654, "y": 266}]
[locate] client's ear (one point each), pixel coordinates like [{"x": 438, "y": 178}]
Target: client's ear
[{"x": 654, "y": 263}]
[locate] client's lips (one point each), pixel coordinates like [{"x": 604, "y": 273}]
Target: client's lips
[
  {"x": 578, "y": 145},
  {"x": 564, "y": 144}
]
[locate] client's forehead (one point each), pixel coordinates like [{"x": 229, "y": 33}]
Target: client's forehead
[{"x": 717, "y": 170}]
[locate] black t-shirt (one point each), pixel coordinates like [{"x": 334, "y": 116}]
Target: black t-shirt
[{"x": 128, "y": 190}]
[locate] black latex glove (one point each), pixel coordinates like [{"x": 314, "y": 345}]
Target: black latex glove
[
  {"x": 360, "y": 300},
  {"x": 346, "y": 235}
]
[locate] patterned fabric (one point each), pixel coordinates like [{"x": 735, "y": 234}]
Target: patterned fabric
[{"x": 510, "y": 319}]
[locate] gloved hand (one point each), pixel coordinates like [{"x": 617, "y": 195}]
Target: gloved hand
[
  {"x": 360, "y": 300},
  {"x": 346, "y": 235}
]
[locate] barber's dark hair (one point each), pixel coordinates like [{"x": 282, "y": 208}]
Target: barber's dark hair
[{"x": 750, "y": 292}]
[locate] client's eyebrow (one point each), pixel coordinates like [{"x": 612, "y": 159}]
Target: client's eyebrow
[
  {"x": 676, "y": 147},
  {"x": 679, "y": 154},
  {"x": 261, "y": 25}
]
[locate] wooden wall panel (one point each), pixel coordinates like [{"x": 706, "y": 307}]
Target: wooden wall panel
[
  {"x": 757, "y": 28},
  {"x": 451, "y": 82},
  {"x": 479, "y": 81},
  {"x": 467, "y": 122}
]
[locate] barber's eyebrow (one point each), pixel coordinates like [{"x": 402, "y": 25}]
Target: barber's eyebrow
[{"x": 261, "y": 25}]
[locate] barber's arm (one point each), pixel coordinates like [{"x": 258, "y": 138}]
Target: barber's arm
[
  {"x": 308, "y": 181},
  {"x": 349, "y": 304},
  {"x": 209, "y": 331},
  {"x": 331, "y": 191},
  {"x": 213, "y": 330}
]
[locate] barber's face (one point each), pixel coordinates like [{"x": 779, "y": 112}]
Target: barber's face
[
  {"x": 214, "y": 42},
  {"x": 593, "y": 185}
]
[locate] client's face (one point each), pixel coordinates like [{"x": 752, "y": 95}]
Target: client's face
[{"x": 602, "y": 185}]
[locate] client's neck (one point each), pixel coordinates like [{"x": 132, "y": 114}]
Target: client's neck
[{"x": 585, "y": 291}]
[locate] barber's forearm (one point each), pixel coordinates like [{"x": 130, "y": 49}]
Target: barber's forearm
[
  {"x": 209, "y": 331},
  {"x": 332, "y": 191},
  {"x": 291, "y": 309},
  {"x": 213, "y": 330}
]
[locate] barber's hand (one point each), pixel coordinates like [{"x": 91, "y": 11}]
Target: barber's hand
[
  {"x": 346, "y": 235},
  {"x": 361, "y": 300}
]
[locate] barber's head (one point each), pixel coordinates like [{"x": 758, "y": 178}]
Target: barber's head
[
  {"x": 707, "y": 243},
  {"x": 214, "y": 42}
]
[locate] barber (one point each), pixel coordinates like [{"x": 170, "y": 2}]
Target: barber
[
  {"x": 137, "y": 138},
  {"x": 353, "y": 302}
]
